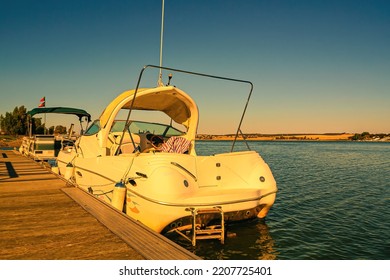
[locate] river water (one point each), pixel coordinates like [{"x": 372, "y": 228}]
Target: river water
[{"x": 333, "y": 204}]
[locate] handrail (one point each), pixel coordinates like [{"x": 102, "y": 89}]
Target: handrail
[{"x": 184, "y": 169}]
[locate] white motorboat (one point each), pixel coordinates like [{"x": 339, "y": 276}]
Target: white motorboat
[
  {"x": 151, "y": 170},
  {"x": 46, "y": 146}
]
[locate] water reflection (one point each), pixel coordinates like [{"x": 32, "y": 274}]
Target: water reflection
[
  {"x": 265, "y": 243},
  {"x": 244, "y": 240}
]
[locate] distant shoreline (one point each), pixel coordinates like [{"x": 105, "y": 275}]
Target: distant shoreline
[{"x": 290, "y": 137}]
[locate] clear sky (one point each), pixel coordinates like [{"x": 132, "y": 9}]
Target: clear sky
[{"x": 317, "y": 66}]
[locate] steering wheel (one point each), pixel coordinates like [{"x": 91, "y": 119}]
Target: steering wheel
[{"x": 155, "y": 140}]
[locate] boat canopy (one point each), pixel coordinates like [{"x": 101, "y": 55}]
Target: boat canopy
[
  {"x": 178, "y": 105},
  {"x": 60, "y": 110}
]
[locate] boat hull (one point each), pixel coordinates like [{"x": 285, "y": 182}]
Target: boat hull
[{"x": 161, "y": 188}]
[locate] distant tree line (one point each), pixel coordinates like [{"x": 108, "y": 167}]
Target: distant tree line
[
  {"x": 361, "y": 136},
  {"x": 366, "y": 136},
  {"x": 15, "y": 123}
]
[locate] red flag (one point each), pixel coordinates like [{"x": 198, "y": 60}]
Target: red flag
[{"x": 42, "y": 102}]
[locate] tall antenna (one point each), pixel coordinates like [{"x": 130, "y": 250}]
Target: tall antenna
[{"x": 160, "y": 82}]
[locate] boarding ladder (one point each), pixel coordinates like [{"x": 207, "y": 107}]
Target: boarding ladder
[{"x": 212, "y": 231}]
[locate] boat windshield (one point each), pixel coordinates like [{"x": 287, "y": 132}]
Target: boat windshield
[
  {"x": 139, "y": 127},
  {"x": 93, "y": 128}
]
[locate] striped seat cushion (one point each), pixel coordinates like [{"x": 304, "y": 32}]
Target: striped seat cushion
[{"x": 176, "y": 144}]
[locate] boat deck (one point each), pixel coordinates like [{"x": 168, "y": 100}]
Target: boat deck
[{"x": 42, "y": 217}]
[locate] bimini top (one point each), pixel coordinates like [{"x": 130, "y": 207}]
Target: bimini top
[
  {"x": 178, "y": 105},
  {"x": 60, "y": 110}
]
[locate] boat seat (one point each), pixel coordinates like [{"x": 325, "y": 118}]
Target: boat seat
[{"x": 127, "y": 146}]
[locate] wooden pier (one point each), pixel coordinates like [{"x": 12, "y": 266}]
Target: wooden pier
[{"x": 44, "y": 218}]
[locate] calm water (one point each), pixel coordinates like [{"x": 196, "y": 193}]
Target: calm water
[{"x": 333, "y": 203}]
